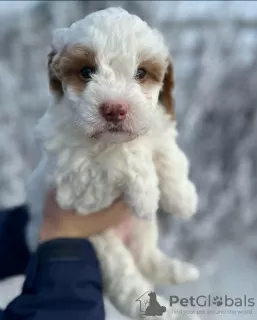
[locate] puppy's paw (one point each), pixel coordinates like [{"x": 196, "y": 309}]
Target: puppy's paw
[
  {"x": 161, "y": 269},
  {"x": 182, "y": 201},
  {"x": 189, "y": 202},
  {"x": 182, "y": 272}
]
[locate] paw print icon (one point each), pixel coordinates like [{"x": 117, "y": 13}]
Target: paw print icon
[{"x": 217, "y": 301}]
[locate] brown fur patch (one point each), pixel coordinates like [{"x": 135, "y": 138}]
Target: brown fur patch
[
  {"x": 166, "y": 94},
  {"x": 55, "y": 84},
  {"x": 66, "y": 67},
  {"x": 155, "y": 69}
]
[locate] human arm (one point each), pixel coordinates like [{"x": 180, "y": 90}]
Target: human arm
[{"x": 63, "y": 279}]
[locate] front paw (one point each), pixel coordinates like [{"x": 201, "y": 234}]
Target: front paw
[
  {"x": 189, "y": 203},
  {"x": 183, "y": 272},
  {"x": 182, "y": 202}
]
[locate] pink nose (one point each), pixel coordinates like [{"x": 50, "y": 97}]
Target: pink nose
[{"x": 114, "y": 111}]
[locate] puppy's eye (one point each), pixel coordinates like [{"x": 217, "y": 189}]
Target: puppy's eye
[
  {"x": 140, "y": 74},
  {"x": 87, "y": 72}
]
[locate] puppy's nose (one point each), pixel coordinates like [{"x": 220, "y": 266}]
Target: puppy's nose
[{"x": 114, "y": 111}]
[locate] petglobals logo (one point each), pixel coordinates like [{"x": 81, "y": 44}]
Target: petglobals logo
[
  {"x": 149, "y": 305},
  {"x": 212, "y": 301}
]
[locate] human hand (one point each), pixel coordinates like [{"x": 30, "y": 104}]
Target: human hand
[{"x": 58, "y": 223}]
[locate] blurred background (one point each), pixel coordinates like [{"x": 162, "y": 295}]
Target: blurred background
[{"x": 214, "y": 48}]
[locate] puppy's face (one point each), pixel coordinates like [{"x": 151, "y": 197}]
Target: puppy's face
[{"x": 113, "y": 70}]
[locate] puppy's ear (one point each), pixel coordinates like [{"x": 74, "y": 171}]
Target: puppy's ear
[
  {"x": 55, "y": 84},
  {"x": 166, "y": 94}
]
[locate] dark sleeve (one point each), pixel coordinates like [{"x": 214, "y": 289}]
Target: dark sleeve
[
  {"x": 14, "y": 254},
  {"x": 63, "y": 282}
]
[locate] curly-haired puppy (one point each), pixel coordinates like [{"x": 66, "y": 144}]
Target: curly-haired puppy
[{"x": 110, "y": 132}]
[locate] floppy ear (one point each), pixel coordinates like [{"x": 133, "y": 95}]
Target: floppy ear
[
  {"x": 166, "y": 94},
  {"x": 55, "y": 84}
]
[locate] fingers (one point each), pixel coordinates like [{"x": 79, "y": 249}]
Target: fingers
[
  {"x": 66, "y": 223},
  {"x": 111, "y": 216}
]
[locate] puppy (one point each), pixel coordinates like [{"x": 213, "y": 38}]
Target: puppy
[{"x": 110, "y": 132}]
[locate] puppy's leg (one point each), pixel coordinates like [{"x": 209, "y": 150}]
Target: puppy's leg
[
  {"x": 153, "y": 263},
  {"x": 123, "y": 283},
  {"x": 178, "y": 193}
]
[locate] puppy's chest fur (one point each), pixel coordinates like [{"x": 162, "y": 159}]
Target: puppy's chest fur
[{"x": 90, "y": 179}]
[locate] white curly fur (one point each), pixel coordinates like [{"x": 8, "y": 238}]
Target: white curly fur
[{"x": 91, "y": 167}]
